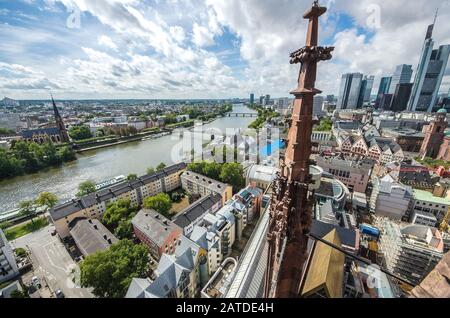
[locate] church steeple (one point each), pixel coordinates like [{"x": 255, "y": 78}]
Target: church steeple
[
  {"x": 291, "y": 204},
  {"x": 60, "y": 123}
]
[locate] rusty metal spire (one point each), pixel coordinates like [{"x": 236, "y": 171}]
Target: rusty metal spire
[{"x": 291, "y": 204}]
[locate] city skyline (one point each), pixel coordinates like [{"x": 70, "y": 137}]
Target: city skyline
[{"x": 152, "y": 50}]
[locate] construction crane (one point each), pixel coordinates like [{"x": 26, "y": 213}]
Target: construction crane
[{"x": 444, "y": 224}]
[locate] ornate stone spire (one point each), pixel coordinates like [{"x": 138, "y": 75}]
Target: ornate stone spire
[
  {"x": 60, "y": 123},
  {"x": 291, "y": 204}
]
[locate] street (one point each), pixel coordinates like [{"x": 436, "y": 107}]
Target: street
[{"x": 52, "y": 262}]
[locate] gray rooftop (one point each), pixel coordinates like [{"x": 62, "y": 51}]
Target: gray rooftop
[
  {"x": 92, "y": 236},
  {"x": 206, "y": 182},
  {"x": 154, "y": 225},
  {"x": 70, "y": 207},
  {"x": 196, "y": 209}
]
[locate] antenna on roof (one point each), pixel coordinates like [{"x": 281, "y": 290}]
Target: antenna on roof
[{"x": 436, "y": 15}]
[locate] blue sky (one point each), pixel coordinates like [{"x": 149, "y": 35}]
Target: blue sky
[{"x": 197, "y": 48}]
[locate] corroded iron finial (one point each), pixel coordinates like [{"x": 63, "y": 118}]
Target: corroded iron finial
[{"x": 316, "y": 3}]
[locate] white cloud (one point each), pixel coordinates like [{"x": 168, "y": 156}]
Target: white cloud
[
  {"x": 106, "y": 41},
  {"x": 163, "y": 49}
]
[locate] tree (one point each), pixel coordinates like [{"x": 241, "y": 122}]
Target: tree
[
  {"x": 80, "y": 132},
  {"x": 19, "y": 294},
  {"x": 46, "y": 199},
  {"x": 151, "y": 170},
  {"x": 27, "y": 208},
  {"x": 233, "y": 174},
  {"x": 110, "y": 272},
  {"x": 161, "y": 166},
  {"x": 132, "y": 176},
  {"x": 160, "y": 203},
  {"x": 212, "y": 170},
  {"x": 85, "y": 188},
  {"x": 117, "y": 211},
  {"x": 124, "y": 229}
]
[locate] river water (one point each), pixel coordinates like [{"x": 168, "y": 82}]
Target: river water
[{"x": 104, "y": 164}]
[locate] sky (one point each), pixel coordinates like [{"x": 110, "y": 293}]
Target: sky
[{"x": 182, "y": 49}]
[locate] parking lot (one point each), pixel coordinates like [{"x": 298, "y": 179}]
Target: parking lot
[{"x": 52, "y": 264}]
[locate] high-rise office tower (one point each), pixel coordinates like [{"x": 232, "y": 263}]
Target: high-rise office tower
[
  {"x": 349, "y": 91},
  {"x": 369, "y": 86},
  {"x": 261, "y": 100},
  {"x": 402, "y": 75},
  {"x": 267, "y": 100},
  {"x": 365, "y": 91},
  {"x": 401, "y": 97},
  {"x": 385, "y": 83},
  {"x": 252, "y": 99},
  {"x": 429, "y": 74}
]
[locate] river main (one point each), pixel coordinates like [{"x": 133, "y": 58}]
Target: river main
[{"x": 103, "y": 164}]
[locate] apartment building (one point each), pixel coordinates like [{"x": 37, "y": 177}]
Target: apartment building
[
  {"x": 352, "y": 172},
  {"x": 195, "y": 183},
  {"x": 425, "y": 201},
  {"x": 180, "y": 275},
  {"x": 424, "y": 218},
  {"x": 410, "y": 251},
  {"x": 193, "y": 215},
  {"x": 8, "y": 265},
  {"x": 391, "y": 199},
  {"x": 157, "y": 232},
  {"x": 92, "y": 206}
]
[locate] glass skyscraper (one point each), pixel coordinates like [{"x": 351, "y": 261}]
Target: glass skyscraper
[
  {"x": 402, "y": 75},
  {"x": 349, "y": 91},
  {"x": 429, "y": 74}
]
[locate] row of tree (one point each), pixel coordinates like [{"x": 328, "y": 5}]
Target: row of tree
[
  {"x": 29, "y": 157},
  {"x": 231, "y": 173}
]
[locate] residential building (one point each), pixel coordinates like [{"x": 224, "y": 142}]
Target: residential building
[
  {"x": 223, "y": 223},
  {"x": 425, "y": 201},
  {"x": 424, "y": 218},
  {"x": 252, "y": 99},
  {"x": 410, "y": 140},
  {"x": 195, "y": 183},
  {"x": 391, "y": 199},
  {"x": 434, "y": 135},
  {"x": 402, "y": 75},
  {"x": 410, "y": 251},
  {"x": 220, "y": 281},
  {"x": 210, "y": 241},
  {"x": 8, "y": 265},
  {"x": 91, "y": 236},
  {"x": 180, "y": 275},
  {"x": 260, "y": 176},
  {"x": 157, "y": 232},
  {"x": 10, "y": 121},
  {"x": 354, "y": 174},
  {"x": 193, "y": 215},
  {"x": 251, "y": 198},
  {"x": 92, "y": 206},
  {"x": 429, "y": 74},
  {"x": 349, "y": 91},
  {"x": 410, "y": 172}
]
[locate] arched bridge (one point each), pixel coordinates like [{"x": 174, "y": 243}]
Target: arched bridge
[{"x": 241, "y": 115}]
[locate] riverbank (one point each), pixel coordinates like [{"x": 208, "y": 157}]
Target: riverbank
[{"x": 106, "y": 163}]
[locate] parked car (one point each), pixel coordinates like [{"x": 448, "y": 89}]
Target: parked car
[
  {"x": 59, "y": 294},
  {"x": 36, "y": 282}
]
